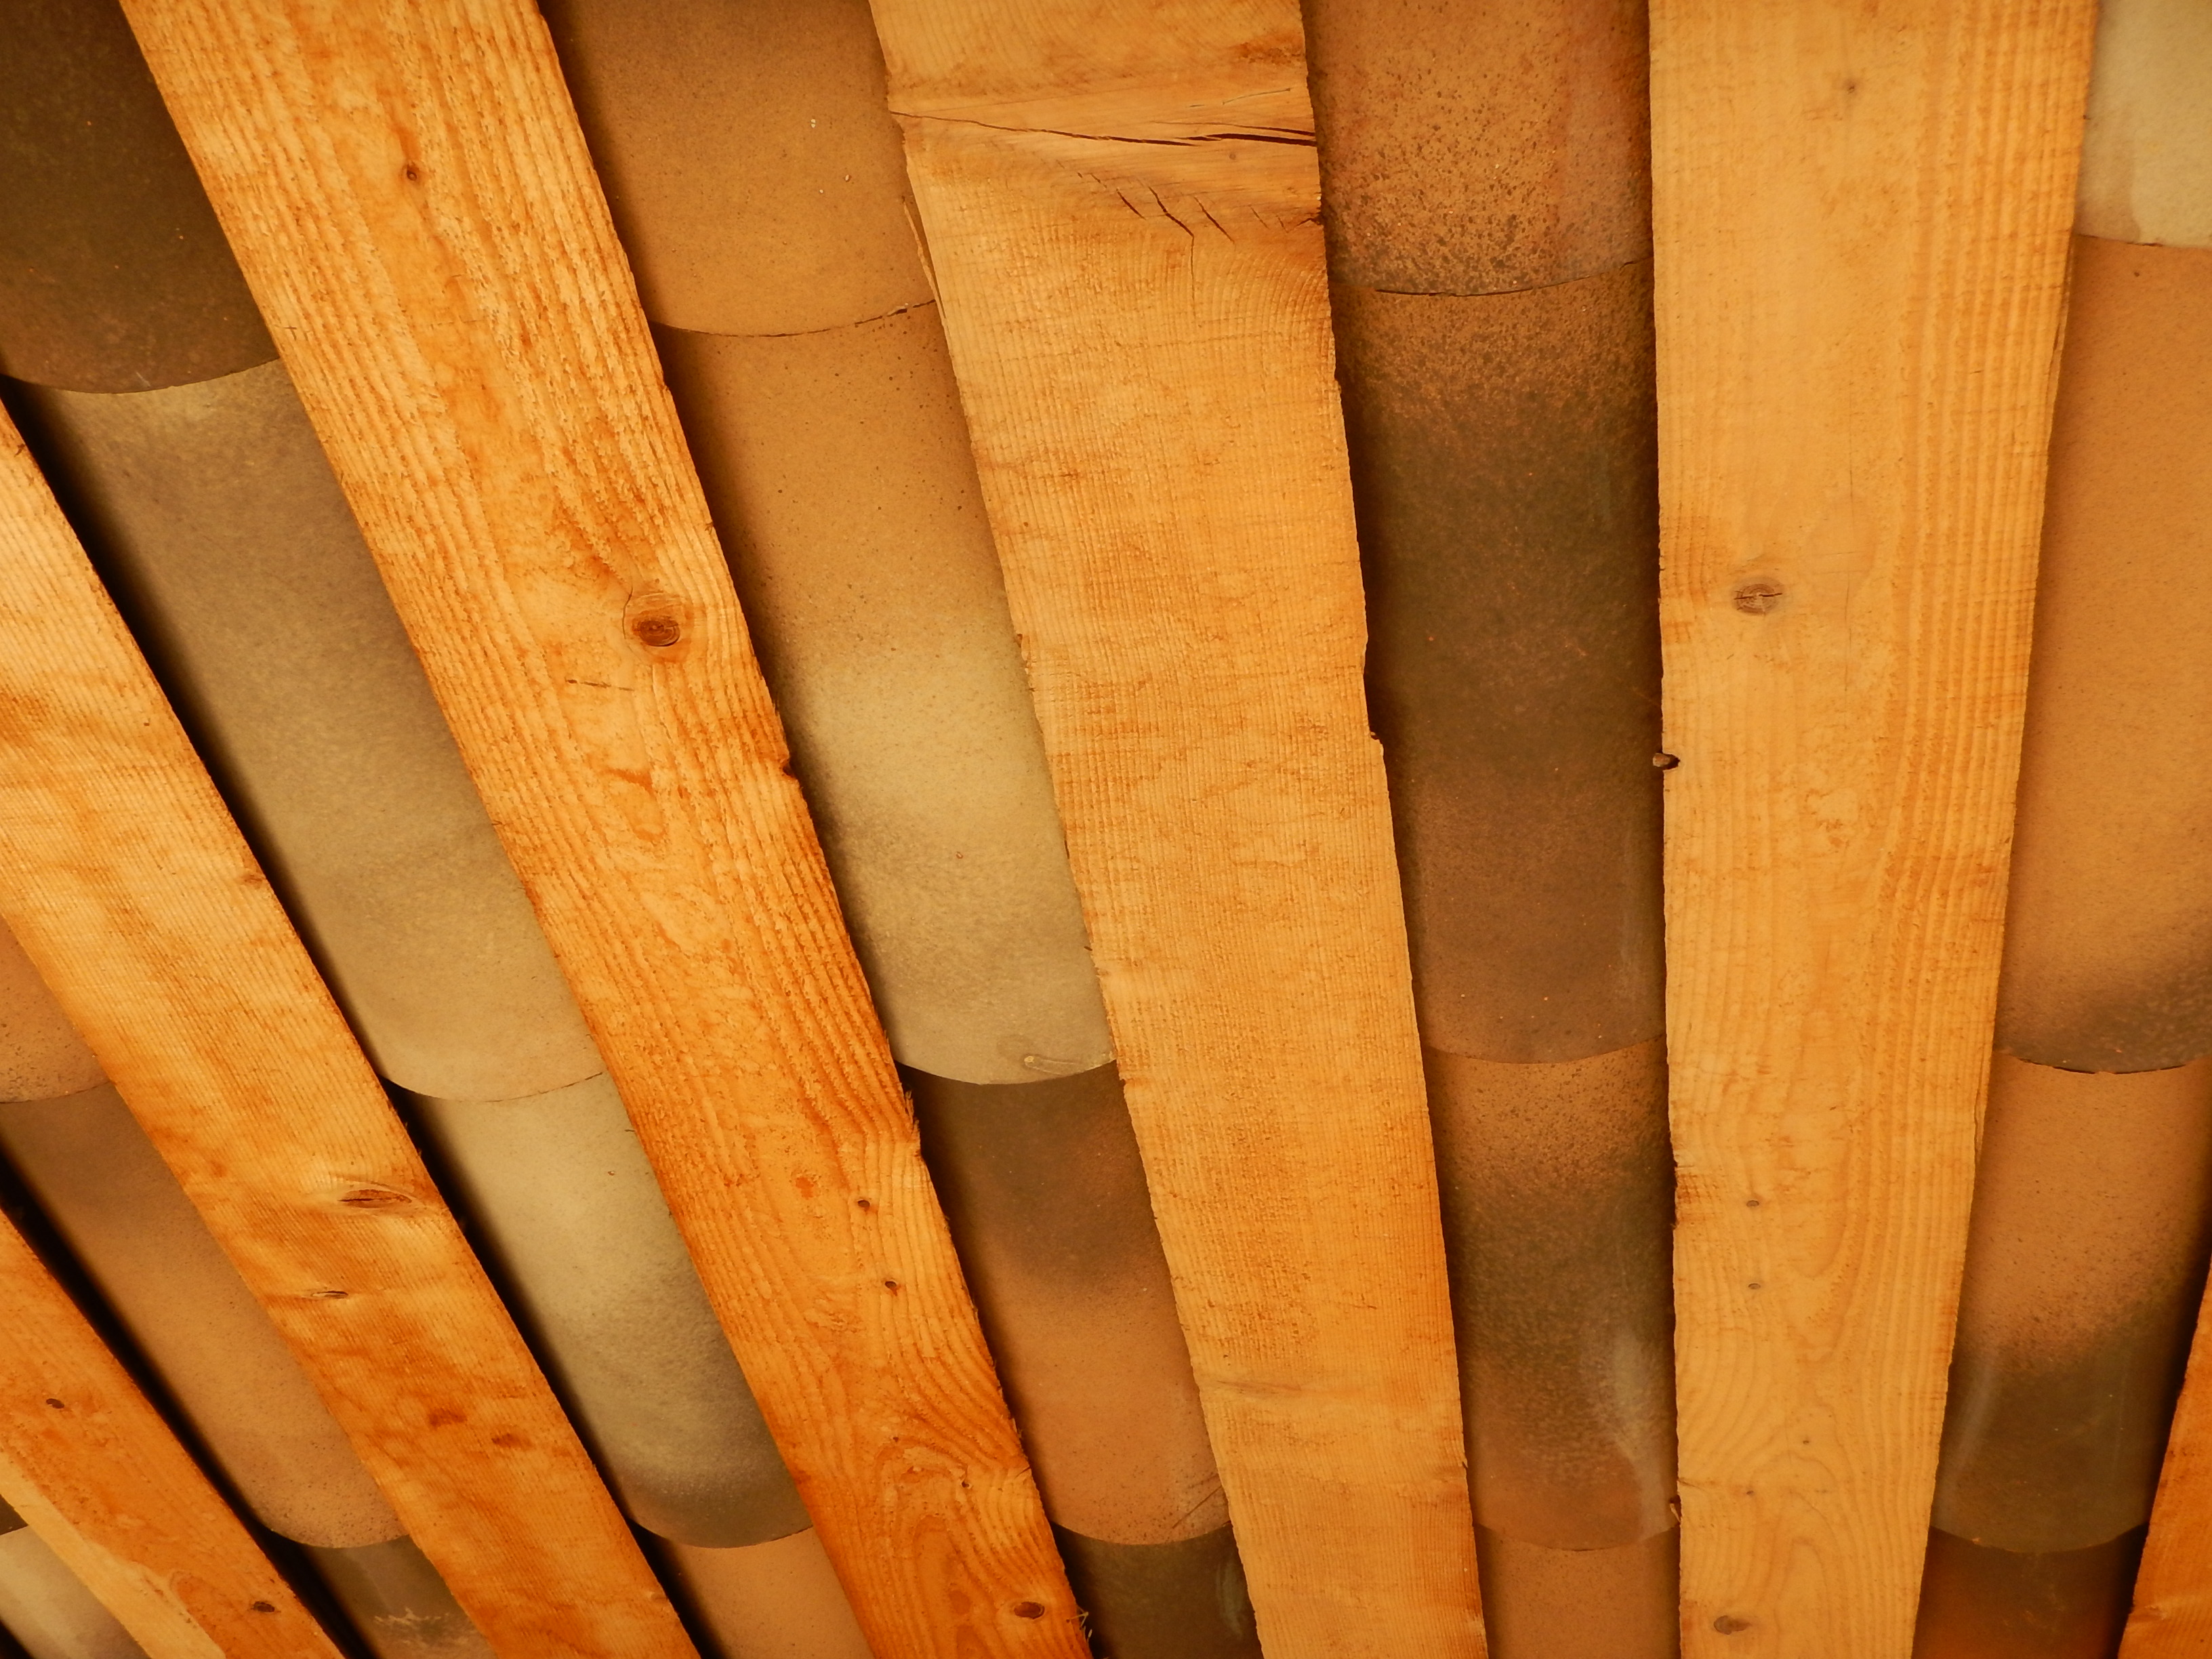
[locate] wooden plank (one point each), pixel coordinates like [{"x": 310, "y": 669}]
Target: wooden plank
[
  {"x": 138, "y": 903},
  {"x": 90, "y": 1464},
  {"x": 1121, "y": 203},
  {"x": 2137, "y": 413},
  {"x": 1861, "y": 212},
  {"x": 2173, "y": 1614},
  {"x": 414, "y": 208}
]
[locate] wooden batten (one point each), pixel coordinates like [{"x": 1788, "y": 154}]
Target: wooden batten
[
  {"x": 1860, "y": 238},
  {"x": 134, "y": 895},
  {"x": 2132, "y": 485},
  {"x": 413, "y": 205},
  {"x": 2173, "y": 1614},
  {"x": 90, "y": 1464},
  {"x": 1121, "y": 209}
]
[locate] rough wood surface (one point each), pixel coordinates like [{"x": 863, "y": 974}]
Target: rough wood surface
[
  {"x": 1122, "y": 204},
  {"x": 135, "y": 897},
  {"x": 414, "y": 208},
  {"x": 99, "y": 1477},
  {"x": 1861, "y": 219},
  {"x": 2173, "y": 1614}
]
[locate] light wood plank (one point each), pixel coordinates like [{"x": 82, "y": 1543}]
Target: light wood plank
[
  {"x": 138, "y": 903},
  {"x": 415, "y": 210},
  {"x": 2173, "y": 1614},
  {"x": 96, "y": 1471},
  {"x": 2136, "y": 412},
  {"x": 1121, "y": 204},
  {"x": 1861, "y": 210}
]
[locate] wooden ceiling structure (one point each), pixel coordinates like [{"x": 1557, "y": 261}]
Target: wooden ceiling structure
[{"x": 1201, "y": 831}]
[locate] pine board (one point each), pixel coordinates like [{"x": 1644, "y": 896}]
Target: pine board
[
  {"x": 94, "y": 1469},
  {"x": 2173, "y": 1614},
  {"x": 1122, "y": 211},
  {"x": 1861, "y": 214},
  {"x": 414, "y": 208},
  {"x": 137, "y": 899}
]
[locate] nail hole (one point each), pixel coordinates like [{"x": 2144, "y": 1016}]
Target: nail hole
[
  {"x": 1729, "y": 1624},
  {"x": 1029, "y": 1610},
  {"x": 58, "y": 1405},
  {"x": 262, "y": 1607}
]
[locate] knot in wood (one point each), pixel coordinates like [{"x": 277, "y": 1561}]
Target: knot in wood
[
  {"x": 657, "y": 621},
  {"x": 1758, "y": 597}
]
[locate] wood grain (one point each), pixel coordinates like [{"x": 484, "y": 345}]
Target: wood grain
[
  {"x": 90, "y": 1464},
  {"x": 1122, "y": 206},
  {"x": 1861, "y": 213},
  {"x": 136, "y": 898},
  {"x": 413, "y": 205},
  {"x": 2173, "y": 1614}
]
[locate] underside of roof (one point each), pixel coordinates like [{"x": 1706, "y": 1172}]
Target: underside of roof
[{"x": 1154, "y": 828}]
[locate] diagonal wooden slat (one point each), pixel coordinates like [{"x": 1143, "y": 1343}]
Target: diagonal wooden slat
[
  {"x": 2132, "y": 490},
  {"x": 90, "y": 1464},
  {"x": 2173, "y": 1614},
  {"x": 136, "y": 898},
  {"x": 1861, "y": 214},
  {"x": 1121, "y": 202},
  {"x": 409, "y": 195}
]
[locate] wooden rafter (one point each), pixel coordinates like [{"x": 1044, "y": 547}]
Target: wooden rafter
[
  {"x": 1121, "y": 206},
  {"x": 133, "y": 894},
  {"x": 1861, "y": 222},
  {"x": 407, "y": 190},
  {"x": 2173, "y": 1616},
  {"x": 98, "y": 1475}
]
